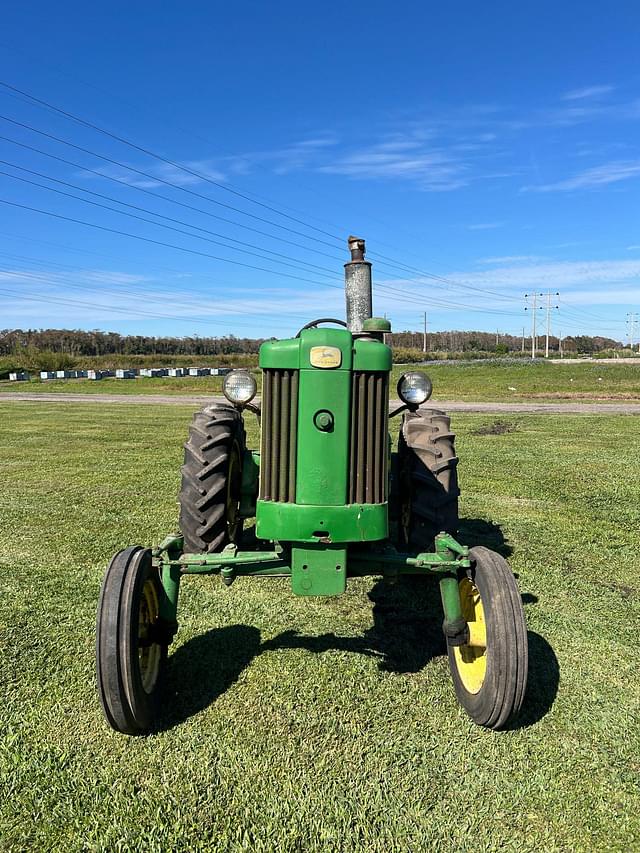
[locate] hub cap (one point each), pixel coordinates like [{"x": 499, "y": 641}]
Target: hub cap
[
  {"x": 471, "y": 659},
  {"x": 149, "y": 652}
]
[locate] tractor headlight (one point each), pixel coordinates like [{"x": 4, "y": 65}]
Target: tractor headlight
[
  {"x": 414, "y": 388},
  {"x": 239, "y": 387}
]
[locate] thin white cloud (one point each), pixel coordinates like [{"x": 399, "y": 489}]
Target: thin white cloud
[
  {"x": 57, "y": 276},
  {"x": 509, "y": 259},
  {"x": 632, "y": 248},
  {"x": 302, "y": 154},
  {"x": 406, "y": 159},
  {"x": 556, "y": 274},
  {"x": 587, "y": 92},
  {"x": 598, "y": 176},
  {"x": 612, "y": 282},
  {"x": 484, "y": 226},
  {"x": 163, "y": 173},
  {"x": 108, "y": 277},
  {"x": 116, "y": 294}
]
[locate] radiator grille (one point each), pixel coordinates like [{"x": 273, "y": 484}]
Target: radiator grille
[
  {"x": 279, "y": 435},
  {"x": 368, "y": 442}
]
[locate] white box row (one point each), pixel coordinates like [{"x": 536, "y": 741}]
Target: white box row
[{"x": 121, "y": 373}]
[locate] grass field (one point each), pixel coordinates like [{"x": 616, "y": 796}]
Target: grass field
[
  {"x": 452, "y": 381},
  {"x": 328, "y": 724}
]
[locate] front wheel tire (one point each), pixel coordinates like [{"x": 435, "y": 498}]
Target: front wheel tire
[
  {"x": 490, "y": 671},
  {"x": 131, "y": 648}
]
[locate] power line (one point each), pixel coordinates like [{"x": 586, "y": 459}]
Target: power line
[
  {"x": 126, "y": 288},
  {"x": 632, "y": 320},
  {"x": 159, "y": 242},
  {"x": 162, "y": 159},
  {"x": 192, "y": 134},
  {"x": 418, "y": 300},
  {"x": 393, "y": 291},
  {"x": 208, "y": 179},
  {"x": 62, "y": 301},
  {"x": 296, "y": 265},
  {"x": 203, "y": 177},
  {"x": 534, "y": 337},
  {"x": 199, "y": 210},
  {"x": 160, "y": 180},
  {"x": 443, "y": 305},
  {"x": 548, "y": 308},
  {"x": 149, "y": 192},
  {"x": 445, "y": 280}
]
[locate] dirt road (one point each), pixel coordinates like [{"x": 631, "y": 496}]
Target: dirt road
[{"x": 577, "y": 408}]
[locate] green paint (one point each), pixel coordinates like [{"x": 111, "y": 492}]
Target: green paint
[
  {"x": 319, "y": 570},
  {"x": 371, "y": 560},
  {"x": 376, "y": 324},
  {"x": 280, "y": 354},
  {"x": 165, "y": 558},
  {"x": 170, "y": 580},
  {"x": 371, "y": 355},
  {"x": 450, "y": 595},
  {"x": 286, "y": 522},
  {"x": 323, "y": 455},
  {"x": 339, "y": 338}
]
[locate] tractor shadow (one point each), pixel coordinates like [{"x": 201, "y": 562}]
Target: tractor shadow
[
  {"x": 479, "y": 531},
  {"x": 202, "y": 669},
  {"x": 405, "y": 636},
  {"x": 542, "y": 683}
]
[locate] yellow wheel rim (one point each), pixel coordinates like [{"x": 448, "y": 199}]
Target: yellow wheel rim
[
  {"x": 149, "y": 653},
  {"x": 471, "y": 659}
]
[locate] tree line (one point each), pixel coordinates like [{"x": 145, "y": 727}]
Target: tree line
[
  {"x": 58, "y": 349},
  {"x": 497, "y": 342},
  {"x": 77, "y": 342}
]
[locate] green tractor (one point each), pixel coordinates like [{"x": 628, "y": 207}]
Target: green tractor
[{"x": 330, "y": 501}]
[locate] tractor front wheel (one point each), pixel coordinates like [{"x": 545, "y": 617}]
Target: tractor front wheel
[
  {"x": 131, "y": 645},
  {"x": 490, "y": 671}
]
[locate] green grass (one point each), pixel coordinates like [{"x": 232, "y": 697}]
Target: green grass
[
  {"x": 319, "y": 724},
  {"x": 452, "y": 381}
]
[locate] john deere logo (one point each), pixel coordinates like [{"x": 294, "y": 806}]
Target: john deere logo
[{"x": 325, "y": 357}]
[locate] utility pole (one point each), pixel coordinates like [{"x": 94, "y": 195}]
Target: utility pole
[
  {"x": 424, "y": 334},
  {"x": 560, "y": 344},
  {"x": 632, "y": 319},
  {"x": 497, "y": 338},
  {"x": 546, "y": 348},
  {"x": 534, "y": 339}
]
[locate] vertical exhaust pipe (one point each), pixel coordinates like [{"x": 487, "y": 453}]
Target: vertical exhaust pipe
[{"x": 357, "y": 284}]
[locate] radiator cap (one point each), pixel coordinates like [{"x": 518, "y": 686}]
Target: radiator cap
[{"x": 376, "y": 324}]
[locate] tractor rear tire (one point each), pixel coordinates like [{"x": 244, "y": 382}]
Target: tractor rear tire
[
  {"x": 428, "y": 479},
  {"x": 490, "y": 675},
  {"x": 131, "y": 642},
  {"x": 211, "y": 480}
]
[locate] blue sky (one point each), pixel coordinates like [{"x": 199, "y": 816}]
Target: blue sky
[{"x": 486, "y": 151}]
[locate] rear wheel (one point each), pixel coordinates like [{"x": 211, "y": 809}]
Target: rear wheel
[
  {"x": 131, "y": 643},
  {"x": 427, "y": 477},
  {"x": 211, "y": 480},
  {"x": 490, "y": 671}
]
